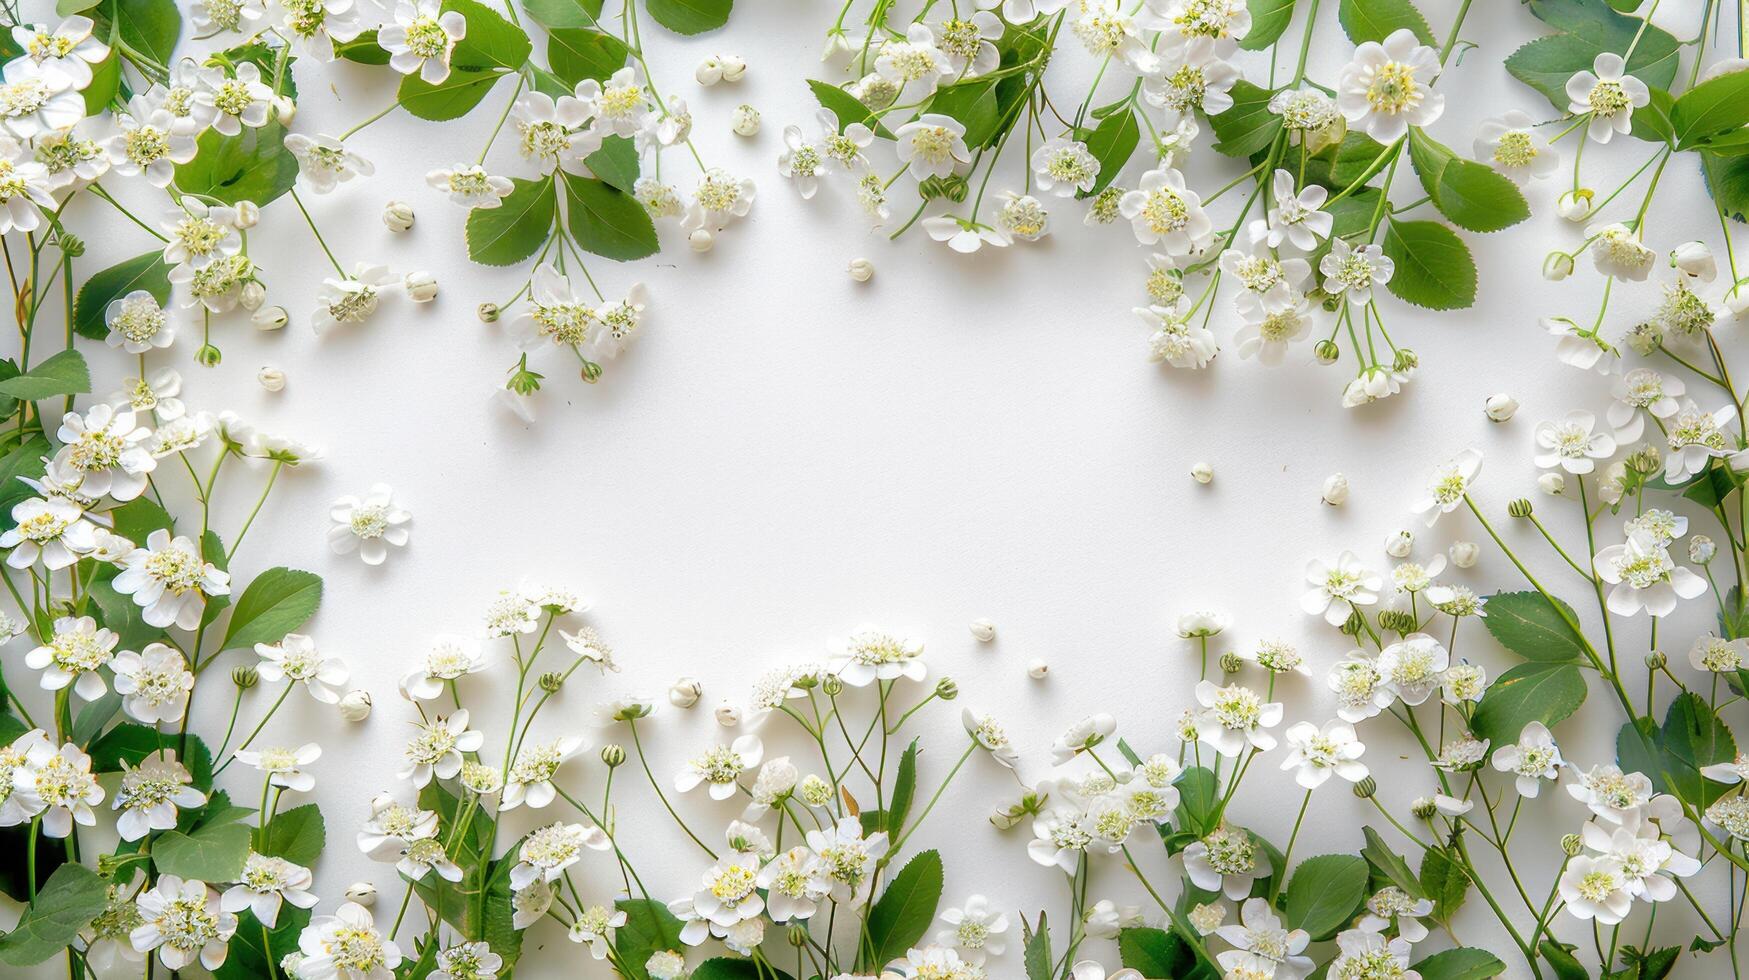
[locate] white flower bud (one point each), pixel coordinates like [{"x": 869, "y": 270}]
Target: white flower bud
[
  {"x": 685, "y": 692},
  {"x": 709, "y": 71},
  {"x": 734, "y": 67},
  {"x": 254, "y": 294},
  {"x": 269, "y": 318},
  {"x": 983, "y": 630},
  {"x": 862, "y": 270},
  {"x": 1694, "y": 259},
  {"x": 248, "y": 214},
  {"x": 398, "y": 215},
  {"x": 744, "y": 120},
  {"x": 355, "y": 705},
  {"x": 286, "y": 108},
  {"x": 362, "y": 892},
  {"x": 421, "y": 287},
  {"x": 1202, "y": 472},
  {"x": 1500, "y": 407},
  {"x": 1557, "y": 265},
  {"x": 1464, "y": 553},
  {"x": 1552, "y": 484},
  {"x": 271, "y": 378},
  {"x": 728, "y": 715},
  {"x": 1037, "y": 669},
  {"x": 1335, "y": 490},
  {"x": 1701, "y": 549},
  {"x": 1400, "y": 544},
  {"x": 1576, "y": 206},
  {"x": 701, "y": 240}
]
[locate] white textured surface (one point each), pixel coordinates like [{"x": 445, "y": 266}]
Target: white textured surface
[{"x": 787, "y": 454}]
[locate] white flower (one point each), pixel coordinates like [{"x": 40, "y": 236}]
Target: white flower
[
  {"x": 36, "y": 100},
  {"x": 1094, "y": 970},
  {"x": 1643, "y": 576},
  {"x": 1260, "y": 943},
  {"x": 151, "y": 793},
  {"x": 1571, "y": 445},
  {"x": 964, "y": 235},
  {"x": 65, "y": 54},
  {"x": 721, "y": 766},
  {"x": 57, "y": 784},
  {"x": 529, "y": 905},
  {"x": 869, "y": 654},
  {"x": 1296, "y": 218},
  {"x": 295, "y": 658},
  {"x": 1735, "y": 771},
  {"x": 227, "y": 103},
  {"x": 1022, "y": 217},
  {"x": 1228, "y": 860},
  {"x": 1234, "y": 716},
  {"x": 153, "y": 683},
  {"x": 717, "y": 201},
  {"x": 1695, "y": 260},
  {"x": 449, "y": 658},
  {"x": 438, "y": 747},
  {"x": 531, "y": 776},
  {"x": 476, "y": 961},
  {"x": 24, "y": 188},
  {"x": 148, "y": 140},
  {"x": 1618, "y": 253},
  {"x": 974, "y": 930},
  {"x": 931, "y": 145},
  {"x": 1611, "y": 793},
  {"x": 1607, "y": 97},
  {"x": 1694, "y": 437},
  {"x": 619, "y": 323},
  {"x": 1361, "y": 691},
  {"x": 1388, "y": 87},
  {"x": 347, "y": 944},
  {"x": 727, "y": 897},
  {"x": 1595, "y": 888},
  {"x": 137, "y": 323},
  {"x": 1392, "y": 907},
  {"x": 1064, "y": 167},
  {"x": 284, "y": 766},
  {"x": 219, "y": 16},
  {"x": 183, "y": 921},
  {"x": 393, "y": 827},
  {"x": 1642, "y": 390},
  {"x": 314, "y": 26},
  {"x": 1646, "y": 861},
  {"x": 73, "y": 656},
  {"x": 548, "y": 851},
  {"x": 103, "y": 452},
  {"x": 469, "y": 185},
  {"x": 1175, "y": 340},
  {"x": 915, "y": 61},
  {"x": 1108, "y": 28},
  {"x": 1352, "y": 273},
  {"x": 1717, "y": 655},
  {"x": 845, "y": 871},
  {"x": 351, "y": 299},
  {"x": 267, "y": 883},
  {"x": 990, "y": 736},
  {"x": 1196, "y": 77},
  {"x": 1534, "y": 758},
  {"x": 1510, "y": 145},
  {"x": 170, "y": 580},
  {"x": 369, "y": 526},
  {"x": 1315, "y": 753},
  {"x": 803, "y": 162},
  {"x": 52, "y": 530},
  {"x": 1337, "y": 589},
  {"x": 422, "y": 38},
  {"x": 324, "y": 163},
  {"x": 1412, "y": 666},
  {"x": 1164, "y": 212},
  {"x": 155, "y": 393},
  {"x": 1082, "y": 736},
  {"x": 1448, "y": 485}
]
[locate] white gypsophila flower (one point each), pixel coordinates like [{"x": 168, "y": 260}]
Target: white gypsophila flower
[
  {"x": 1197, "y": 77},
  {"x": 370, "y": 525},
  {"x": 1337, "y": 589},
  {"x": 73, "y": 656},
  {"x": 351, "y": 299},
  {"x": 1108, "y": 28},
  {"x": 1643, "y": 576},
  {"x": 1363, "y": 954},
  {"x": 422, "y": 38},
  {"x": 915, "y": 63},
  {"x": 36, "y": 100},
  {"x": 449, "y": 658},
  {"x": 1022, "y": 217},
  {"x": 968, "y": 44},
  {"x": 964, "y": 235},
  {"x": 1649, "y": 863},
  {"x": 392, "y": 827},
  {"x": 437, "y": 747},
  {"x": 469, "y": 185},
  {"x": 791, "y": 881},
  {"x": 17, "y": 808},
  {"x": 1261, "y": 944},
  {"x": 1352, "y": 273},
  {"x": 266, "y": 884},
  {"x": 324, "y": 163},
  {"x": 1510, "y": 144},
  {"x": 284, "y": 765},
  {"x": 1717, "y": 655},
  {"x": 774, "y": 783},
  {"x": 1163, "y": 211},
  {"x": 1371, "y": 385},
  {"x": 103, "y": 452},
  {"x": 58, "y": 786},
  {"x": 51, "y": 530},
  {"x": 347, "y": 945},
  {"x": 1227, "y": 860},
  {"x": 719, "y": 199},
  {"x": 170, "y": 580},
  {"x": 1233, "y": 717},
  {"x": 974, "y": 930},
  {"x": 1606, "y": 96},
  {"x": 1572, "y": 444},
  {"x": 1202, "y": 622},
  {"x": 184, "y": 922},
  {"x": 295, "y": 658},
  {"x": 1315, "y": 754},
  {"x": 1412, "y": 667},
  {"x": 1448, "y": 486},
  {"x": 1388, "y": 87},
  {"x": 869, "y": 654},
  {"x": 531, "y": 776}
]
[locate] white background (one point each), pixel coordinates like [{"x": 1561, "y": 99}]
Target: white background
[{"x": 787, "y": 454}]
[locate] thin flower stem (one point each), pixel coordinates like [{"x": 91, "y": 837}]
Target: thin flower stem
[{"x": 639, "y": 746}]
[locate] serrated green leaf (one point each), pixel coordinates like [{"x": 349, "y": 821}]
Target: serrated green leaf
[
  {"x": 1693, "y": 737},
  {"x": 1389, "y": 863},
  {"x": 147, "y": 272},
  {"x": 275, "y": 603},
  {"x": 1248, "y": 126},
  {"x": 1536, "y": 691},
  {"x": 904, "y": 789},
  {"x": 1324, "y": 893},
  {"x": 63, "y": 373},
  {"x": 148, "y": 26},
  {"x": 553, "y": 14},
  {"x": 616, "y": 163},
  {"x": 1532, "y": 627},
  {"x": 212, "y": 853},
  {"x": 452, "y": 98},
  {"x": 1462, "y": 963},
  {"x": 1433, "y": 266},
  {"x": 491, "y": 40},
  {"x": 517, "y": 227},
  {"x": 128, "y": 744},
  {"x": 1154, "y": 952},
  {"x": 1445, "y": 882},
  {"x": 1714, "y": 106},
  {"x": 607, "y": 221},
  {"x": 1585, "y": 29},
  {"x": 1036, "y": 948},
  {"x": 690, "y": 16},
  {"x": 72, "y": 897},
  {"x": 974, "y": 105},
  {"x": 902, "y": 914},
  {"x": 1473, "y": 195},
  {"x": 253, "y": 165},
  {"x": 298, "y": 835},
  {"x": 1375, "y": 20},
  {"x": 253, "y": 955}
]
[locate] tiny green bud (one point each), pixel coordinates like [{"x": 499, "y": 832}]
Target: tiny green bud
[
  {"x": 1396, "y": 621},
  {"x": 1231, "y": 662},
  {"x": 1571, "y": 843},
  {"x": 591, "y": 372},
  {"x": 245, "y": 677},
  {"x": 488, "y": 312},
  {"x": 798, "y": 936},
  {"x": 524, "y": 382},
  {"x": 208, "y": 356},
  {"x": 1406, "y": 360},
  {"x": 1423, "y": 808},
  {"x": 109, "y": 864},
  {"x": 1353, "y": 625},
  {"x": 551, "y": 681},
  {"x": 946, "y": 689},
  {"x": 833, "y": 686},
  {"x": 1327, "y": 352},
  {"x": 1519, "y": 508},
  {"x": 1366, "y": 788},
  {"x": 1656, "y": 660},
  {"x": 613, "y": 755},
  {"x": 72, "y": 245}
]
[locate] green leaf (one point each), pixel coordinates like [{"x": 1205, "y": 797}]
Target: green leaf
[
  {"x": 1036, "y": 948},
  {"x": 255, "y": 952},
  {"x": 516, "y": 229},
  {"x": 93, "y": 716},
  {"x": 1269, "y": 20},
  {"x": 1197, "y": 798},
  {"x": 1694, "y": 736},
  {"x": 734, "y": 968},
  {"x": 1248, "y": 126},
  {"x": 649, "y": 927},
  {"x": 1587, "y": 28},
  {"x": 846, "y": 108},
  {"x": 128, "y": 744},
  {"x": 1537, "y": 691},
  {"x": 1473, "y": 195},
  {"x": 1434, "y": 268},
  {"x": 277, "y": 602},
  {"x": 213, "y": 853},
  {"x": 608, "y": 221},
  {"x": 452, "y": 98},
  {"x": 1445, "y": 882},
  {"x": 903, "y": 913},
  {"x": 139, "y": 517},
  {"x": 73, "y": 897},
  {"x": 362, "y": 50},
  {"x": 1324, "y": 892},
  {"x": 1389, "y": 863},
  {"x": 148, "y": 26},
  {"x": 298, "y": 835},
  {"x": 616, "y": 163},
  {"x": 146, "y": 272},
  {"x": 1565, "y": 964},
  {"x": 1462, "y": 963},
  {"x": 553, "y": 14},
  {"x": 690, "y": 16},
  {"x": 1651, "y": 122},
  {"x": 24, "y": 460},
  {"x": 575, "y": 54},
  {"x": 64, "y": 373},
  {"x": 1111, "y": 143},
  {"x": 904, "y": 789},
  {"x": 1727, "y": 180},
  {"x": 105, "y": 83},
  {"x": 253, "y": 165},
  {"x": 491, "y": 41},
  {"x": 1154, "y": 952},
  {"x": 1530, "y": 625},
  {"x": 1375, "y": 20},
  {"x": 1710, "y": 108},
  {"x": 973, "y": 104}
]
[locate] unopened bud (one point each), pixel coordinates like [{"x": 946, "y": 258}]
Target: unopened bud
[
  {"x": 1400, "y": 544},
  {"x": 1553, "y": 484},
  {"x": 421, "y": 287},
  {"x": 685, "y": 692},
  {"x": 1500, "y": 407},
  {"x": 1353, "y": 625},
  {"x": 1202, "y": 473},
  {"x": 1701, "y": 549},
  {"x": 1656, "y": 660},
  {"x": 71, "y": 245},
  {"x": 832, "y": 686},
  {"x": 1366, "y": 788},
  {"x": 613, "y": 755},
  {"x": 728, "y": 715},
  {"x": 487, "y": 312},
  {"x": 1396, "y": 621},
  {"x": 1423, "y": 808},
  {"x": 590, "y": 372},
  {"x": 271, "y": 379},
  {"x": 551, "y": 681},
  {"x": 1406, "y": 360},
  {"x": 1575, "y": 205},
  {"x": 744, "y": 120},
  {"x": 398, "y": 215},
  {"x": 1038, "y": 670},
  {"x": 1335, "y": 490},
  {"x": 362, "y": 892},
  {"x": 1464, "y": 553},
  {"x": 701, "y": 240},
  {"x": 1557, "y": 265},
  {"x": 797, "y": 936},
  {"x": 946, "y": 689},
  {"x": 1326, "y": 352},
  {"x": 983, "y": 630},
  {"x": 269, "y": 318},
  {"x": 245, "y": 677},
  {"x": 248, "y": 214},
  {"x": 355, "y": 705},
  {"x": 1231, "y": 662},
  {"x": 1571, "y": 844},
  {"x": 1519, "y": 508},
  {"x": 208, "y": 355},
  {"x": 253, "y": 295}
]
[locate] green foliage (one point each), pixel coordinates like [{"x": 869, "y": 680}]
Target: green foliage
[
  {"x": 1375, "y": 20},
  {"x": 298, "y": 835},
  {"x": 846, "y": 108},
  {"x": 1462, "y": 963},
  {"x": 150, "y": 27},
  {"x": 215, "y": 852},
  {"x": 1155, "y": 952},
  {"x": 974, "y": 105},
  {"x": 146, "y": 272},
  {"x": 553, "y": 14},
  {"x": 1473, "y": 195},
  {"x": 275, "y": 603},
  {"x": 1445, "y": 882},
  {"x": 25, "y": 460},
  {"x": 1389, "y": 864},
  {"x": 1536, "y": 691},
  {"x": 1247, "y": 127},
  {"x": 1692, "y": 736},
  {"x": 1434, "y": 267},
  {"x": 1532, "y": 627},
  {"x": 1585, "y": 29},
  {"x": 1713, "y": 107},
  {"x": 63, "y": 373},
  {"x": 1198, "y": 795},
  {"x": 616, "y": 163},
  {"x": 452, "y": 98},
  {"x": 253, "y": 165},
  {"x": 574, "y": 54},
  {"x": 1111, "y": 143},
  {"x": 905, "y": 909},
  {"x": 904, "y": 789},
  {"x": 251, "y": 958},
  {"x": 732, "y": 968},
  {"x": 492, "y": 42},
  {"x": 1036, "y": 948},
  {"x": 139, "y": 517},
  {"x": 607, "y": 221},
  {"x": 649, "y": 927},
  {"x": 690, "y": 16},
  {"x": 71, "y": 898},
  {"x": 517, "y": 228},
  {"x": 1324, "y": 893},
  {"x": 1269, "y": 20},
  {"x": 129, "y": 744}
]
